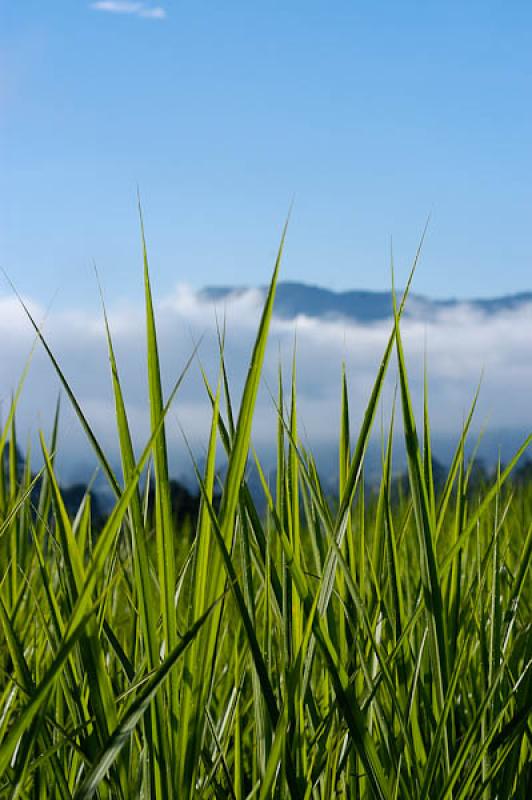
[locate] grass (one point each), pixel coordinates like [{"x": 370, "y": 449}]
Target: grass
[{"x": 358, "y": 648}]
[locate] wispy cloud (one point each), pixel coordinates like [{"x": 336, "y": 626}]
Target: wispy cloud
[{"x": 124, "y": 7}]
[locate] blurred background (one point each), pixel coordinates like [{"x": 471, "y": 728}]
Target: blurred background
[{"x": 367, "y": 117}]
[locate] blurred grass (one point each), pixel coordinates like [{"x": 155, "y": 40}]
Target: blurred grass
[{"x": 374, "y": 647}]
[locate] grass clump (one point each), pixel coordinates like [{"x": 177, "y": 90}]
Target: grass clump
[{"x": 369, "y": 648}]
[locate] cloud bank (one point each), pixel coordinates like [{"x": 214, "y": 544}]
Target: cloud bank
[
  {"x": 460, "y": 344},
  {"x": 137, "y": 9}
]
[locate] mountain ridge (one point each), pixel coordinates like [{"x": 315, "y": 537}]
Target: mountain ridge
[{"x": 297, "y": 298}]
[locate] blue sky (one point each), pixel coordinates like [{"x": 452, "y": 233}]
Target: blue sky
[{"x": 369, "y": 115}]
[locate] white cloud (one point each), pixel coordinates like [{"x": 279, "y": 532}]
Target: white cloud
[
  {"x": 138, "y": 9},
  {"x": 460, "y": 343}
]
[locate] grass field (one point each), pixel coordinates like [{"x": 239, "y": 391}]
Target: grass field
[{"x": 356, "y": 647}]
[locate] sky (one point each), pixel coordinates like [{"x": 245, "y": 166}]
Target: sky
[
  {"x": 363, "y": 118},
  {"x": 367, "y": 117}
]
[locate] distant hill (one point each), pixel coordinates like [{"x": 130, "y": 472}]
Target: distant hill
[{"x": 294, "y": 299}]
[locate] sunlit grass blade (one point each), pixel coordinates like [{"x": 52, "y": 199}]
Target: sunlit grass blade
[
  {"x": 164, "y": 526},
  {"x": 426, "y": 538},
  {"x": 193, "y": 693},
  {"x": 143, "y": 578}
]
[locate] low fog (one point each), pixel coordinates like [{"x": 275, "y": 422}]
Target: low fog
[{"x": 460, "y": 346}]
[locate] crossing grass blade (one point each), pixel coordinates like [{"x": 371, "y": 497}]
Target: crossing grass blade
[
  {"x": 39, "y": 695},
  {"x": 135, "y": 711},
  {"x": 102, "y": 459}
]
